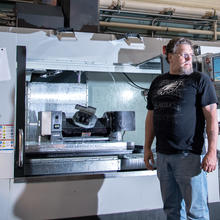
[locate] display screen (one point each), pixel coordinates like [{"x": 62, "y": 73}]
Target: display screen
[{"x": 216, "y": 68}]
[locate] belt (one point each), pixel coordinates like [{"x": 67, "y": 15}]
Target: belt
[{"x": 183, "y": 151}]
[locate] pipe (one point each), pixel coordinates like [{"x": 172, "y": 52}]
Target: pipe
[
  {"x": 146, "y": 6},
  {"x": 112, "y": 14},
  {"x": 215, "y": 26},
  {"x": 157, "y": 28},
  {"x": 108, "y": 3}
]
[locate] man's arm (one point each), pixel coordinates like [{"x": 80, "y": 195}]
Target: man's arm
[
  {"x": 210, "y": 160},
  {"x": 149, "y": 137}
]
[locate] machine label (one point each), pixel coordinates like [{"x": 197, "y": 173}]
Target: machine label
[{"x": 6, "y": 136}]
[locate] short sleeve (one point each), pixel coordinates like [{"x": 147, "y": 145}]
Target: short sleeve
[
  {"x": 150, "y": 105},
  {"x": 206, "y": 91}
]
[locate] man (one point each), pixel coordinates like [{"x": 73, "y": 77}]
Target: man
[{"x": 180, "y": 102}]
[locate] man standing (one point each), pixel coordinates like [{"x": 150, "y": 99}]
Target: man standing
[{"x": 181, "y": 103}]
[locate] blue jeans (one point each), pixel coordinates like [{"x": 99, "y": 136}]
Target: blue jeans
[{"x": 183, "y": 186}]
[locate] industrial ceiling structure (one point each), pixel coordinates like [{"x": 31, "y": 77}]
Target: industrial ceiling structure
[
  {"x": 196, "y": 19},
  {"x": 161, "y": 18}
]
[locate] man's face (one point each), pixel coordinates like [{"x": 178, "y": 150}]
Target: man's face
[{"x": 181, "y": 60}]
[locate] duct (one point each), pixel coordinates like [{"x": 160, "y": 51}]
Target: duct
[
  {"x": 157, "y": 28},
  {"x": 187, "y": 3},
  {"x": 108, "y": 3},
  {"x": 160, "y": 8}
]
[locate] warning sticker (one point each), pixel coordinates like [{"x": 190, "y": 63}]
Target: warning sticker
[{"x": 6, "y": 136}]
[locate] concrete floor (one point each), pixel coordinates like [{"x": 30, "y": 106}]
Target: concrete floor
[
  {"x": 156, "y": 214},
  {"x": 148, "y": 215}
]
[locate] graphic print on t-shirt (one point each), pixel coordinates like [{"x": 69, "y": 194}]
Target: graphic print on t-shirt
[
  {"x": 172, "y": 90},
  {"x": 170, "y": 87}
]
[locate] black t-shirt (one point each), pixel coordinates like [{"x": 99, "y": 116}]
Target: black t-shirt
[{"x": 177, "y": 102}]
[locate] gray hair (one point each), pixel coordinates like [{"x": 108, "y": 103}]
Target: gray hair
[{"x": 174, "y": 43}]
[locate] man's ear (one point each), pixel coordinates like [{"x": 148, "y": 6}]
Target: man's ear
[{"x": 169, "y": 57}]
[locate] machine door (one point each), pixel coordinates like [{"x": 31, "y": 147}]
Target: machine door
[{"x": 20, "y": 112}]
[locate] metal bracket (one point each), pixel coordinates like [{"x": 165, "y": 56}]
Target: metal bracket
[
  {"x": 132, "y": 38},
  {"x": 63, "y": 34}
]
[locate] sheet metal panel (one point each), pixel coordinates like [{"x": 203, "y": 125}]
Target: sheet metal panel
[
  {"x": 52, "y": 97},
  {"x": 71, "y": 165}
]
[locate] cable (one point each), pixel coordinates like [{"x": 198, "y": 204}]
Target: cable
[
  {"x": 123, "y": 135},
  {"x": 133, "y": 83},
  {"x": 113, "y": 78}
]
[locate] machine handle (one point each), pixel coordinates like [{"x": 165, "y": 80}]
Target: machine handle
[{"x": 20, "y": 147}]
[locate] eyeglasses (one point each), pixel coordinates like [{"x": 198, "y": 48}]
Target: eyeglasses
[{"x": 185, "y": 55}]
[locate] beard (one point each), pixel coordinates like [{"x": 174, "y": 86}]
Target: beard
[{"x": 185, "y": 71}]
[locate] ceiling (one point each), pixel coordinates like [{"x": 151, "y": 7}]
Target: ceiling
[{"x": 161, "y": 18}]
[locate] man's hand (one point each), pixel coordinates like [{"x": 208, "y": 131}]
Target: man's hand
[
  {"x": 209, "y": 162},
  {"x": 149, "y": 159}
]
